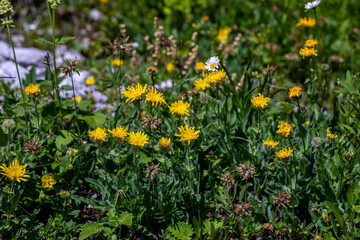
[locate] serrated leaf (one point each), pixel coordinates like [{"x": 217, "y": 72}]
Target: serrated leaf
[
  {"x": 94, "y": 121},
  {"x": 181, "y": 231},
  {"x": 43, "y": 41},
  {"x": 64, "y": 139},
  {"x": 124, "y": 218},
  {"x": 90, "y": 229},
  {"x": 353, "y": 193},
  {"x": 212, "y": 226},
  {"x": 64, "y": 40}
]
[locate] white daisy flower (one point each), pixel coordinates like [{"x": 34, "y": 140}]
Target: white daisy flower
[
  {"x": 212, "y": 63},
  {"x": 311, "y": 5}
]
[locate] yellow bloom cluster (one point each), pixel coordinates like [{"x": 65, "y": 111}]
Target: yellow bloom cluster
[
  {"x": 90, "y": 81},
  {"x": 308, "y": 52},
  {"x": 284, "y": 153},
  {"x": 154, "y": 97},
  {"x": 304, "y": 22},
  {"x": 78, "y": 99},
  {"x": 138, "y": 139},
  {"x": 215, "y": 77},
  {"x": 331, "y": 135},
  {"x": 188, "y": 134},
  {"x": 164, "y": 143},
  {"x": 180, "y": 108},
  {"x": 32, "y": 89},
  {"x": 48, "y": 181},
  {"x": 170, "y": 66},
  {"x": 270, "y": 143},
  {"x": 295, "y": 92},
  {"x": 119, "y": 133},
  {"x": 134, "y": 93},
  {"x": 201, "y": 84},
  {"x": 284, "y": 129},
  {"x": 200, "y": 67},
  {"x": 260, "y": 101},
  {"x": 223, "y": 34},
  {"x": 117, "y": 62},
  {"x": 15, "y": 171},
  {"x": 98, "y": 134},
  {"x": 311, "y": 43}
]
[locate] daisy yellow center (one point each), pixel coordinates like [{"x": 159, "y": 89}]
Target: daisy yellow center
[{"x": 213, "y": 65}]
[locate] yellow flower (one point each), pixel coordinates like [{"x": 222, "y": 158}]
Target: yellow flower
[
  {"x": 331, "y": 135},
  {"x": 48, "y": 181},
  {"x": 134, "y": 93},
  {"x": 188, "y": 134},
  {"x": 164, "y": 143},
  {"x": 317, "y": 238},
  {"x": 98, "y": 134},
  {"x": 284, "y": 129},
  {"x": 311, "y": 43},
  {"x": 205, "y": 18},
  {"x": 151, "y": 70},
  {"x": 78, "y": 99},
  {"x": 155, "y": 97},
  {"x": 295, "y": 92},
  {"x": 15, "y": 171},
  {"x": 32, "y": 89},
  {"x": 260, "y": 101},
  {"x": 119, "y": 132},
  {"x": 169, "y": 67},
  {"x": 223, "y": 34},
  {"x": 201, "y": 84},
  {"x": 104, "y": 1},
  {"x": 308, "y": 52},
  {"x": 284, "y": 153},
  {"x": 90, "y": 81},
  {"x": 307, "y": 123},
  {"x": 117, "y": 62},
  {"x": 270, "y": 143},
  {"x": 180, "y": 108},
  {"x": 215, "y": 77},
  {"x": 306, "y": 22},
  {"x": 325, "y": 216},
  {"x": 138, "y": 139},
  {"x": 200, "y": 67}
]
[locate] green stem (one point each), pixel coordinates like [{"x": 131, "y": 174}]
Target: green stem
[
  {"x": 16, "y": 64},
  {"x": 54, "y": 54},
  {"x": 76, "y": 110}
]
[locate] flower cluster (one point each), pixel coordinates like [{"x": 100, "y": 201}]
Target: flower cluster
[
  {"x": 138, "y": 139},
  {"x": 331, "y": 135},
  {"x": 15, "y": 171},
  {"x": 119, "y": 133},
  {"x": 270, "y": 143},
  {"x": 305, "y": 22},
  {"x": 98, "y": 134},
  {"x": 48, "y": 181},
  {"x": 284, "y": 153},
  {"x": 284, "y": 129},
  {"x": 32, "y": 89},
  {"x": 260, "y": 101},
  {"x": 180, "y": 108},
  {"x": 134, "y": 93},
  {"x": 295, "y": 92},
  {"x": 154, "y": 97},
  {"x": 188, "y": 134}
]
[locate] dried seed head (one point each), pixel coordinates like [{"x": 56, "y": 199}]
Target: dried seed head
[
  {"x": 227, "y": 179},
  {"x": 245, "y": 170},
  {"x": 70, "y": 67},
  {"x": 152, "y": 170},
  {"x": 243, "y": 209},
  {"x": 151, "y": 122},
  {"x": 281, "y": 199},
  {"x": 31, "y": 146},
  {"x": 122, "y": 46}
]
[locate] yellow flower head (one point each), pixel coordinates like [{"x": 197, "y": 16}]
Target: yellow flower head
[
  {"x": 308, "y": 52},
  {"x": 117, "y": 62},
  {"x": 306, "y": 22},
  {"x": 164, "y": 143},
  {"x": 311, "y": 43},
  {"x": 119, "y": 132},
  {"x": 307, "y": 123},
  {"x": 205, "y": 18},
  {"x": 15, "y": 171},
  {"x": 154, "y": 97},
  {"x": 169, "y": 67},
  {"x": 78, "y": 99},
  {"x": 138, "y": 139},
  {"x": 48, "y": 181},
  {"x": 201, "y": 84},
  {"x": 180, "y": 108},
  {"x": 270, "y": 143},
  {"x": 331, "y": 135},
  {"x": 32, "y": 89},
  {"x": 104, "y": 1},
  {"x": 295, "y": 92},
  {"x": 188, "y": 134},
  {"x": 284, "y": 129},
  {"x": 98, "y": 134},
  {"x": 151, "y": 70},
  {"x": 90, "y": 81},
  {"x": 260, "y": 101},
  {"x": 284, "y": 153},
  {"x": 200, "y": 67},
  {"x": 215, "y": 77},
  {"x": 134, "y": 93},
  {"x": 223, "y": 34}
]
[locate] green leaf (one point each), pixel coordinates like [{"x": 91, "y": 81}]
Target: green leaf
[
  {"x": 212, "y": 227},
  {"x": 94, "y": 121},
  {"x": 90, "y": 229},
  {"x": 353, "y": 193},
  {"x": 43, "y": 41},
  {"x": 66, "y": 87},
  {"x": 64, "y": 139},
  {"x": 63, "y": 40},
  {"x": 181, "y": 230},
  {"x": 124, "y": 218}
]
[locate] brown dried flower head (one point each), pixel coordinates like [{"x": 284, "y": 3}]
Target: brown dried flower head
[
  {"x": 31, "y": 146},
  {"x": 152, "y": 170},
  {"x": 245, "y": 170},
  {"x": 122, "y": 46},
  {"x": 227, "y": 179},
  {"x": 69, "y": 67},
  {"x": 243, "y": 209},
  {"x": 151, "y": 122},
  {"x": 281, "y": 199}
]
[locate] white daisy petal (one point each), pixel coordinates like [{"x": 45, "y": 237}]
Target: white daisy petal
[
  {"x": 311, "y": 5},
  {"x": 212, "y": 63}
]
